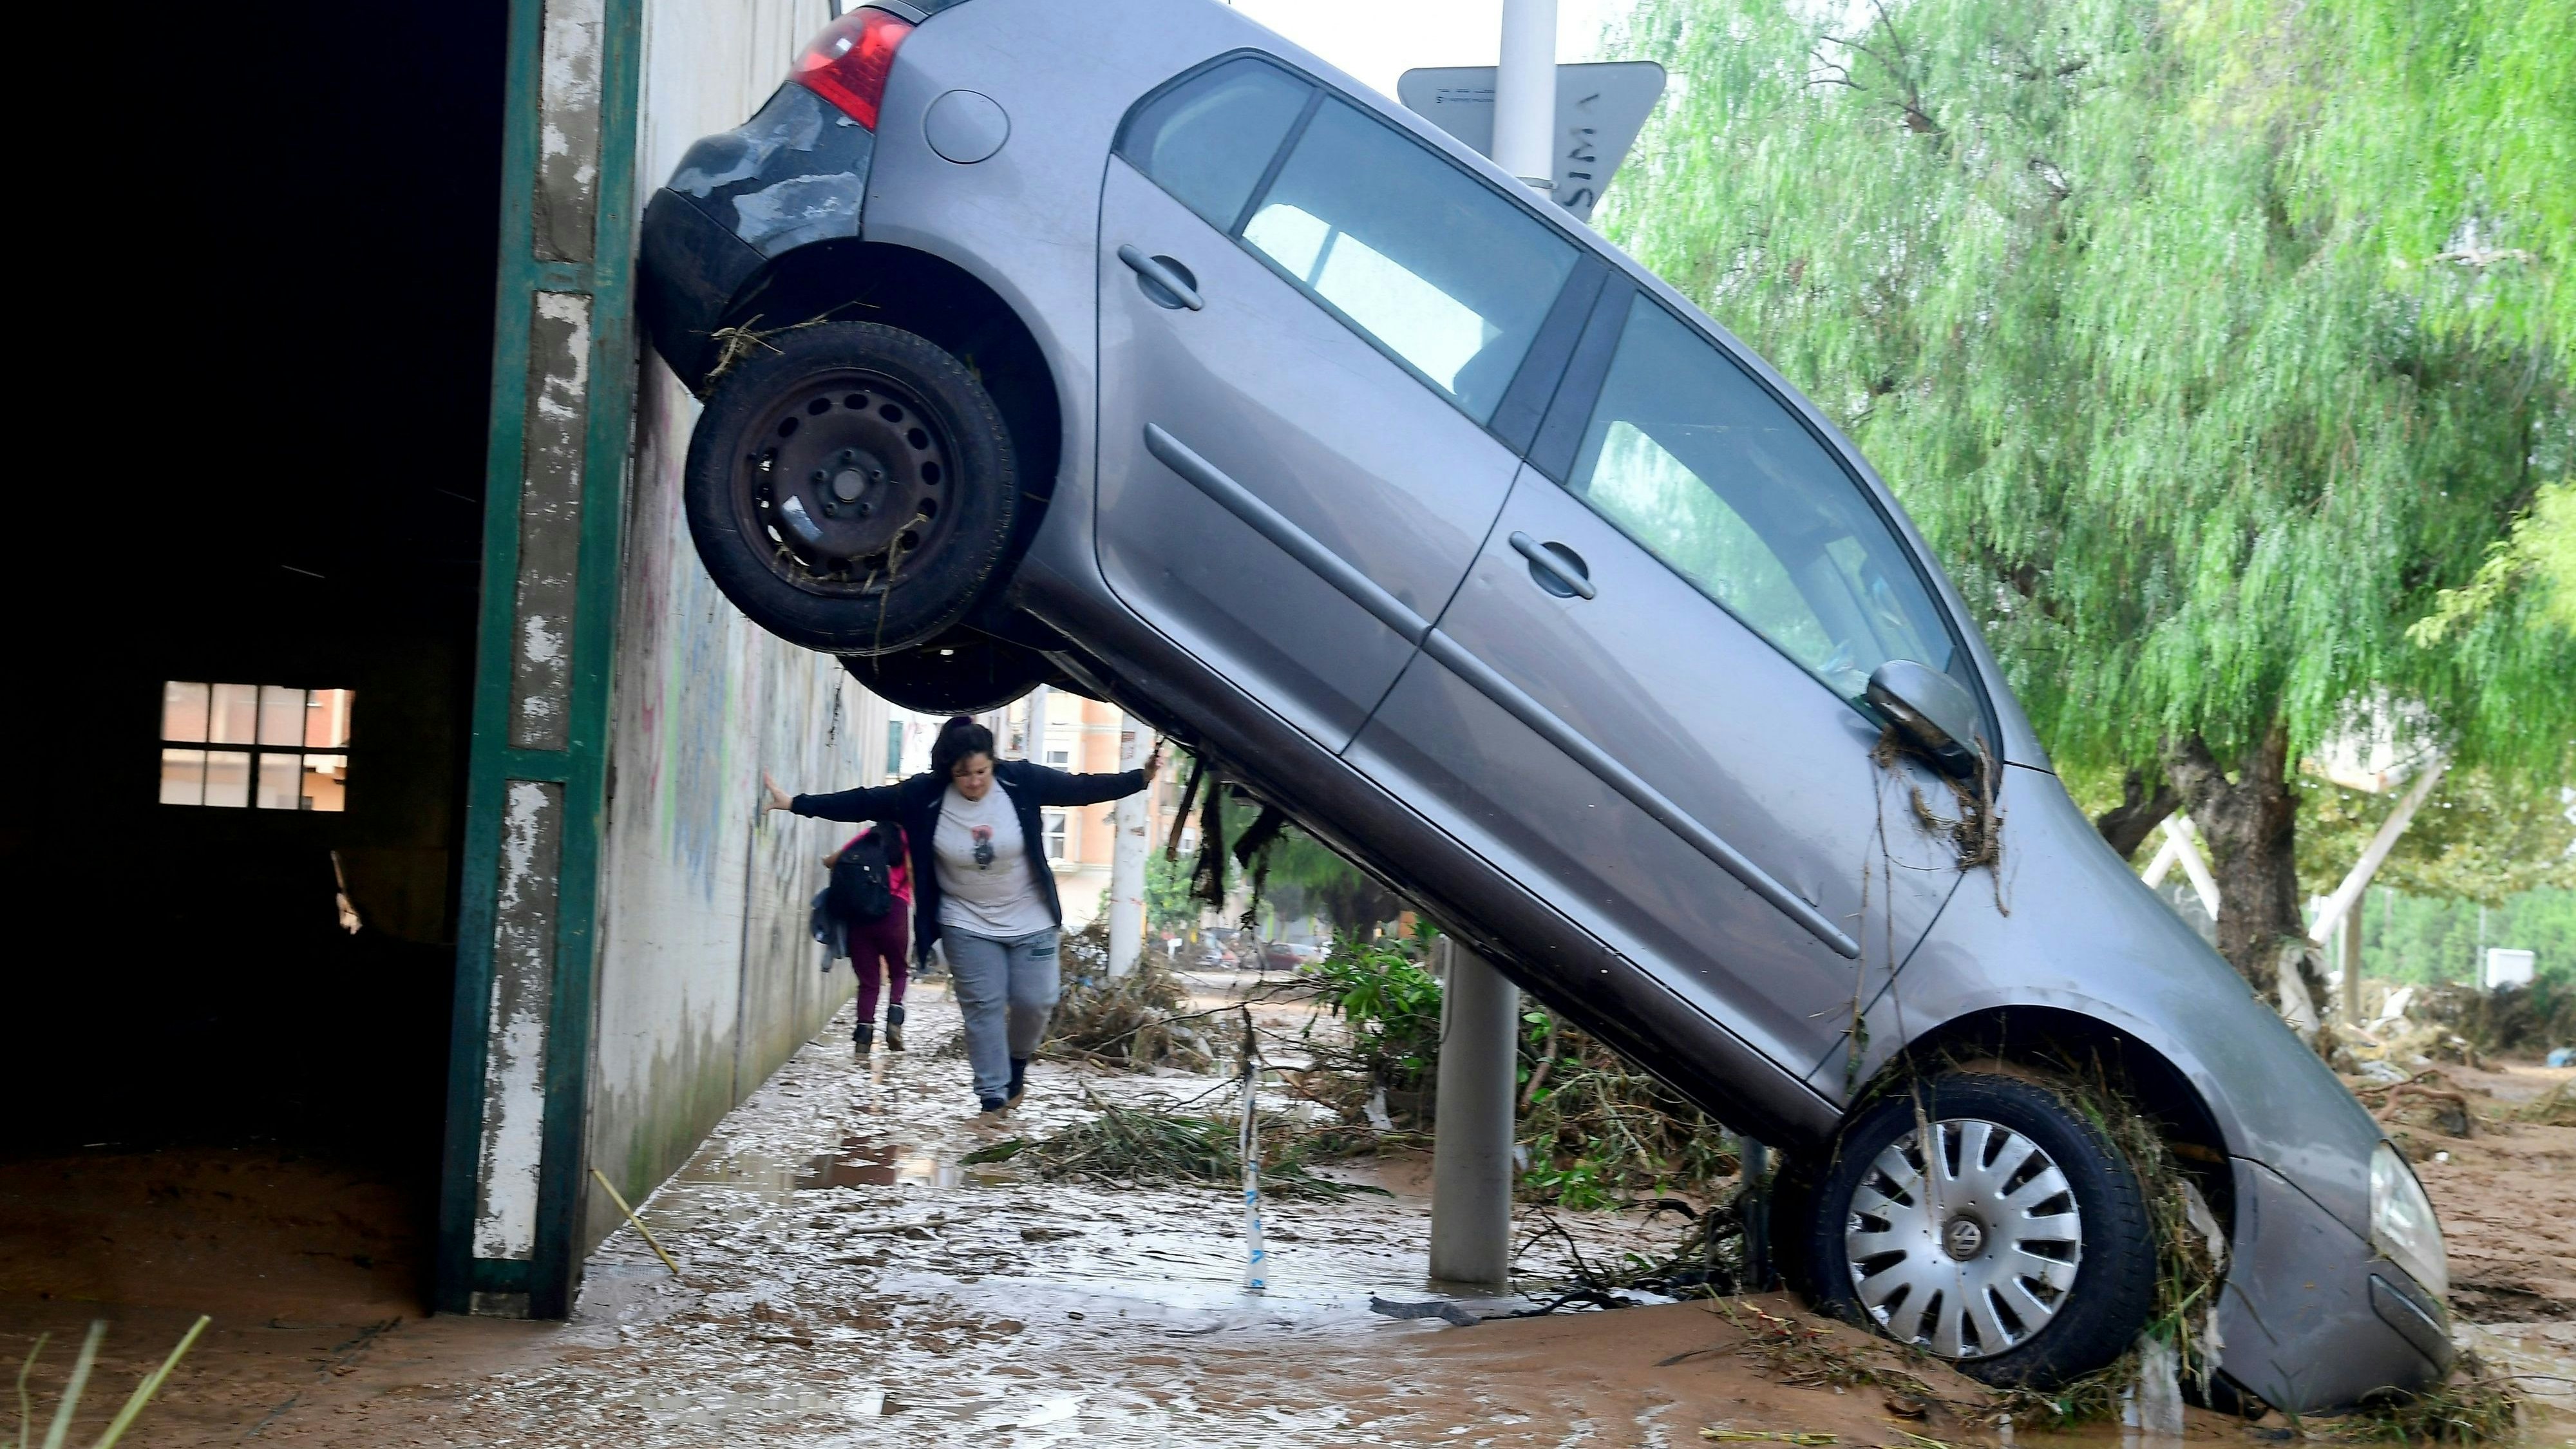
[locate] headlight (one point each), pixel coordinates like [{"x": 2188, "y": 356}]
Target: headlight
[{"x": 2402, "y": 1226}]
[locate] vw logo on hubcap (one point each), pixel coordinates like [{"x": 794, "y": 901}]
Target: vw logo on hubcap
[{"x": 1964, "y": 1238}]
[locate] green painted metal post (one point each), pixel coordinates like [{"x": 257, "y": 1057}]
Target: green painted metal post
[{"x": 563, "y": 384}]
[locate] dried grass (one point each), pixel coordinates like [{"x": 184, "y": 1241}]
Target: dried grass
[
  {"x": 1130, "y": 1146},
  {"x": 2473, "y": 1406},
  {"x": 2553, "y": 1108}
]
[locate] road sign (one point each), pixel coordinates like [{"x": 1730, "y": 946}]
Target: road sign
[{"x": 1599, "y": 110}]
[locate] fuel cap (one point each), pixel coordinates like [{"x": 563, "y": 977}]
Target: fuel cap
[{"x": 966, "y": 126}]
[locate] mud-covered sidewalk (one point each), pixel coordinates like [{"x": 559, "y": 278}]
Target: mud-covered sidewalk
[{"x": 846, "y": 1280}]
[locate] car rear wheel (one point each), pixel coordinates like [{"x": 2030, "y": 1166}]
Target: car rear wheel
[
  {"x": 1997, "y": 1229},
  {"x": 851, "y": 487}
]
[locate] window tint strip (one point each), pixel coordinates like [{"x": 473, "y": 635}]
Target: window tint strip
[
  {"x": 1278, "y": 160},
  {"x": 1561, "y": 436},
  {"x": 1516, "y": 417}
]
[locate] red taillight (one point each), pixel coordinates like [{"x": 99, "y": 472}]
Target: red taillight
[{"x": 847, "y": 63}]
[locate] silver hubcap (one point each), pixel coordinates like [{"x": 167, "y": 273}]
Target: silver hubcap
[{"x": 1963, "y": 1238}]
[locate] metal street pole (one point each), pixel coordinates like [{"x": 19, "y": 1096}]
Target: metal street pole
[
  {"x": 1127, "y": 858},
  {"x": 1525, "y": 93},
  {"x": 1471, "y": 1145}
]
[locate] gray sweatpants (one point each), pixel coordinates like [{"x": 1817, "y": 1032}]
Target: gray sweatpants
[{"x": 1006, "y": 990}]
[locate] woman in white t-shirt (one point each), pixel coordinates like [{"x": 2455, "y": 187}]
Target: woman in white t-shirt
[{"x": 982, "y": 887}]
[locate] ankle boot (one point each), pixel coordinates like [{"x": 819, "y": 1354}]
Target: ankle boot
[
  {"x": 861, "y": 1040},
  {"x": 894, "y": 1027}
]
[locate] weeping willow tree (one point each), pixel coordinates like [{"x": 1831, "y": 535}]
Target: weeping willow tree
[{"x": 2210, "y": 344}]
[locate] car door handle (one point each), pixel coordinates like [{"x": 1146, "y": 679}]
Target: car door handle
[
  {"x": 1556, "y": 568},
  {"x": 1164, "y": 281}
]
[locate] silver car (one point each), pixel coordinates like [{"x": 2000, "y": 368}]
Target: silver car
[{"x": 1126, "y": 347}]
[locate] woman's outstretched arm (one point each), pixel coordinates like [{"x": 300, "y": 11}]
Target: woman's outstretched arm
[
  {"x": 1055, "y": 787},
  {"x": 877, "y": 802}
]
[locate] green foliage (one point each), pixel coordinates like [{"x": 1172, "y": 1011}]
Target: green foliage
[
  {"x": 2482, "y": 837},
  {"x": 1168, "y": 906},
  {"x": 2540, "y": 554},
  {"x": 1598, "y": 1132},
  {"x": 1307, "y": 876},
  {"x": 1389, "y": 1005},
  {"x": 2207, "y": 342},
  {"x": 2422, "y": 941}
]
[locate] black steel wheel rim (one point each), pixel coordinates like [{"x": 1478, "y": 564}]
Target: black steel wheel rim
[{"x": 845, "y": 482}]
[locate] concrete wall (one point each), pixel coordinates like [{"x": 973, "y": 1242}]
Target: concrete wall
[{"x": 707, "y": 979}]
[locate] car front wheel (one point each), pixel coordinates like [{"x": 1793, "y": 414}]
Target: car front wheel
[
  {"x": 1983, "y": 1218},
  {"x": 851, "y": 487}
]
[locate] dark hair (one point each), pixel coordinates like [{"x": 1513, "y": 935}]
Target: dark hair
[{"x": 958, "y": 739}]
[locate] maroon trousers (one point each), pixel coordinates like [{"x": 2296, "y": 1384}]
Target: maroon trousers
[{"x": 877, "y": 945}]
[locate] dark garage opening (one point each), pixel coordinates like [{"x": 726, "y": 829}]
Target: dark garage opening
[{"x": 211, "y": 1079}]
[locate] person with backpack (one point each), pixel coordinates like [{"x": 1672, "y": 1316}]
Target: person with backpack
[
  {"x": 981, "y": 885},
  {"x": 863, "y": 913}
]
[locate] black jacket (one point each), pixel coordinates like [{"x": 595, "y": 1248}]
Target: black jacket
[{"x": 914, "y": 804}]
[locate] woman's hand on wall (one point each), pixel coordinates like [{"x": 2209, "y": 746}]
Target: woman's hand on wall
[{"x": 779, "y": 799}]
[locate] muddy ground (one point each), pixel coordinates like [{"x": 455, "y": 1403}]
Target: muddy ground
[{"x": 845, "y": 1282}]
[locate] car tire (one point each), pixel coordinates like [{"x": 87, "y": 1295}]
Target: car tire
[
  {"x": 2036, "y": 1265},
  {"x": 961, "y": 672},
  {"x": 851, "y": 488}
]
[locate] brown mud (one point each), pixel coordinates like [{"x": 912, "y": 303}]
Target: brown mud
[
  {"x": 846, "y": 1281},
  {"x": 2506, "y": 1195}
]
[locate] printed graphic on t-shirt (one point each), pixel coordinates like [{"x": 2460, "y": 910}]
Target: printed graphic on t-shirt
[{"x": 983, "y": 846}]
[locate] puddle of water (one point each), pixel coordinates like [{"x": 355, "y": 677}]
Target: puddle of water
[{"x": 865, "y": 1163}]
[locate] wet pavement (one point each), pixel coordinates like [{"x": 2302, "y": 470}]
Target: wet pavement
[{"x": 846, "y": 1279}]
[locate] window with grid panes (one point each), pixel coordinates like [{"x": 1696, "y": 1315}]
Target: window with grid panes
[{"x": 255, "y": 746}]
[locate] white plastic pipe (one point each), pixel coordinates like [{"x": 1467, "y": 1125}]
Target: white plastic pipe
[
  {"x": 2163, "y": 864},
  {"x": 1525, "y": 93},
  {"x": 2376, "y": 855},
  {"x": 1127, "y": 856},
  {"x": 2187, "y": 853}
]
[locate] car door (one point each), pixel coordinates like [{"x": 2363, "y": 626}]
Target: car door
[
  {"x": 1645, "y": 701},
  {"x": 1312, "y": 325}
]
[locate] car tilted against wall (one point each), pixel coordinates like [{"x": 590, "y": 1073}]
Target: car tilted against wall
[{"x": 1129, "y": 348}]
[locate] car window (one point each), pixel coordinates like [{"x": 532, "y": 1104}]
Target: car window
[
  {"x": 1208, "y": 140},
  {"x": 1690, "y": 456},
  {"x": 1418, "y": 255}
]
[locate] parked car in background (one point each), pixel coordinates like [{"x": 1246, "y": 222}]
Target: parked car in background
[
  {"x": 1289, "y": 955},
  {"x": 1128, "y": 348}
]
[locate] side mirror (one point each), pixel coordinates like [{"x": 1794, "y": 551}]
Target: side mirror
[{"x": 1931, "y": 711}]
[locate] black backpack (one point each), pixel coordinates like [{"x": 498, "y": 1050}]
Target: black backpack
[{"x": 862, "y": 886}]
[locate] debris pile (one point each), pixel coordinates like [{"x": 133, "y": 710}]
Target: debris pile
[
  {"x": 1594, "y": 1129},
  {"x": 2553, "y": 1108},
  {"x": 2507, "y": 1019},
  {"x": 1598, "y": 1132},
  {"x": 1136, "y": 1022},
  {"x": 1383, "y": 1063},
  {"x": 1125, "y": 1146},
  {"x": 2427, "y": 1102}
]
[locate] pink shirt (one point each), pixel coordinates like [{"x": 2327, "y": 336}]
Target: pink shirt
[{"x": 899, "y": 876}]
